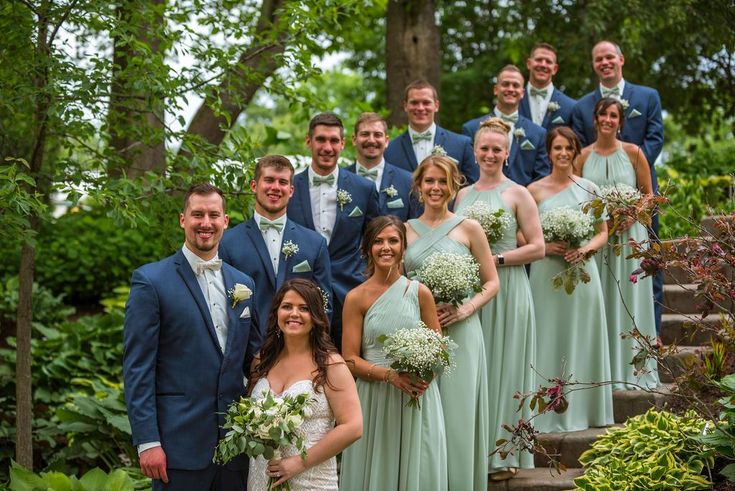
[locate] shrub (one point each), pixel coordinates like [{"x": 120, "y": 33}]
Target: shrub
[{"x": 21, "y": 479}]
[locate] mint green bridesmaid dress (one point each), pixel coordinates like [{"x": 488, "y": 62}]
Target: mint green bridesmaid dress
[
  {"x": 509, "y": 331},
  {"x": 571, "y": 331},
  {"x": 463, "y": 391},
  {"x": 401, "y": 448},
  {"x": 622, "y": 296}
]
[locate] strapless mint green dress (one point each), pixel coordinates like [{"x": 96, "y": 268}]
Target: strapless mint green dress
[
  {"x": 626, "y": 304},
  {"x": 571, "y": 334},
  {"x": 401, "y": 448},
  {"x": 463, "y": 391},
  {"x": 509, "y": 331}
]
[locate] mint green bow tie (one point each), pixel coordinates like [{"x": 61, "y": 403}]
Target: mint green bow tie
[
  {"x": 265, "y": 224},
  {"x": 425, "y": 136},
  {"x": 212, "y": 265},
  {"x": 369, "y": 173},
  {"x": 539, "y": 92},
  {"x": 317, "y": 180},
  {"x": 610, "y": 92},
  {"x": 511, "y": 119}
]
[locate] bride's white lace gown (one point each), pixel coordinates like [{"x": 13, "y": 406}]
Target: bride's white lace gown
[{"x": 319, "y": 421}]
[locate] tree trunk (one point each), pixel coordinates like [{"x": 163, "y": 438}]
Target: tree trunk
[
  {"x": 136, "y": 119},
  {"x": 412, "y": 46}
]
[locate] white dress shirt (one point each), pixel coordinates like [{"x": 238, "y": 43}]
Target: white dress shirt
[
  {"x": 620, "y": 85},
  {"x": 272, "y": 238},
  {"x": 423, "y": 148},
  {"x": 380, "y": 168},
  {"x": 498, "y": 113},
  {"x": 537, "y": 104},
  {"x": 324, "y": 204}
]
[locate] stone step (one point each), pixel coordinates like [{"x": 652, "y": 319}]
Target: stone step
[
  {"x": 679, "y": 299},
  {"x": 677, "y": 329},
  {"x": 539, "y": 479},
  {"x": 628, "y": 403},
  {"x": 676, "y": 363},
  {"x": 708, "y": 223},
  {"x": 566, "y": 447}
]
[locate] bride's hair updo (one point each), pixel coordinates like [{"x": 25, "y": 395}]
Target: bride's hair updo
[{"x": 493, "y": 125}]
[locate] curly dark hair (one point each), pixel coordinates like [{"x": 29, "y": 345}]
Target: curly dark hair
[{"x": 321, "y": 342}]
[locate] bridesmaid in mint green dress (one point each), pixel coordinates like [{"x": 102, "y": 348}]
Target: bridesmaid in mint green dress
[
  {"x": 608, "y": 162},
  {"x": 572, "y": 329},
  {"x": 401, "y": 448},
  {"x": 508, "y": 320},
  {"x": 463, "y": 391}
]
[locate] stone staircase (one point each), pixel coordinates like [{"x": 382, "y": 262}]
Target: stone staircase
[{"x": 679, "y": 308}]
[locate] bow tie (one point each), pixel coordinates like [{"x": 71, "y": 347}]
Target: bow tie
[
  {"x": 425, "y": 136},
  {"x": 212, "y": 265},
  {"x": 265, "y": 224},
  {"x": 539, "y": 92},
  {"x": 513, "y": 118},
  {"x": 317, "y": 180},
  {"x": 610, "y": 92},
  {"x": 369, "y": 173}
]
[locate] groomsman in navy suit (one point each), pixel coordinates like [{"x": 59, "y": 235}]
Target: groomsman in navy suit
[
  {"x": 270, "y": 248},
  {"x": 415, "y": 144},
  {"x": 338, "y": 205},
  {"x": 392, "y": 183},
  {"x": 544, "y": 104},
  {"x": 527, "y": 161},
  {"x": 191, "y": 331},
  {"x": 643, "y": 123}
]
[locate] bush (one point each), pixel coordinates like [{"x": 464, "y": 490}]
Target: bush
[{"x": 21, "y": 479}]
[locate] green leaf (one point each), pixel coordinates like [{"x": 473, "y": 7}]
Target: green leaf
[
  {"x": 21, "y": 479},
  {"x": 94, "y": 480}
]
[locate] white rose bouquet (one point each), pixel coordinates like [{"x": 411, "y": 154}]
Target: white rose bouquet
[
  {"x": 492, "y": 222},
  {"x": 573, "y": 227},
  {"x": 450, "y": 277},
  {"x": 421, "y": 352},
  {"x": 262, "y": 427}
]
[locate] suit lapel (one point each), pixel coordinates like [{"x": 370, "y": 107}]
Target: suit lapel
[
  {"x": 301, "y": 185},
  {"x": 231, "y": 311},
  {"x": 190, "y": 280},
  {"x": 385, "y": 183},
  {"x": 344, "y": 181},
  {"x": 288, "y": 234},
  {"x": 407, "y": 147},
  {"x": 256, "y": 237},
  {"x": 525, "y": 106},
  {"x": 547, "y": 117},
  {"x": 515, "y": 144}
]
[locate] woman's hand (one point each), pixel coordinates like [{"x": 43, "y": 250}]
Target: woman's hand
[
  {"x": 555, "y": 248},
  {"x": 449, "y": 314},
  {"x": 574, "y": 256},
  {"x": 284, "y": 469},
  {"x": 403, "y": 382}
]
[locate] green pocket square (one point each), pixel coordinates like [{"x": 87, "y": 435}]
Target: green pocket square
[
  {"x": 356, "y": 212},
  {"x": 527, "y": 145},
  {"x": 634, "y": 113},
  {"x": 558, "y": 120},
  {"x": 396, "y": 203},
  {"x": 302, "y": 267}
]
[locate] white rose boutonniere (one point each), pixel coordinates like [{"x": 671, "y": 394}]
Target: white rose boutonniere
[
  {"x": 625, "y": 104},
  {"x": 289, "y": 249},
  {"x": 391, "y": 191},
  {"x": 553, "y": 106},
  {"x": 238, "y": 293},
  {"x": 343, "y": 197},
  {"x": 438, "y": 151},
  {"x": 519, "y": 133}
]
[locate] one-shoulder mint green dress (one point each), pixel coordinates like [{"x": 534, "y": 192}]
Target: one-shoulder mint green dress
[
  {"x": 464, "y": 390},
  {"x": 509, "y": 331},
  {"x": 627, "y": 305},
  {"x": 401, "y": 448},
  {"x": 571, "y": 331}
]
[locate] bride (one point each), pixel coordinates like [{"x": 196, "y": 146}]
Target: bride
[{"x": 298, "y": 356}]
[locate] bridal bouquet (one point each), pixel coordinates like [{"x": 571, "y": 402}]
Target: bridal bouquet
[
  {"x": 450, "y": 277},
  {"x": 492, "y": 222},
  {"x": 263, "y": 426},
  {"x": 421, "y": 352},
  {"x": 573, "y": 227}
]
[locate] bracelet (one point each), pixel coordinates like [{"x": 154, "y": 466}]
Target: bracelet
[
  {"x": 388, "y": 374},
  {"x": 370, "y": 369}
]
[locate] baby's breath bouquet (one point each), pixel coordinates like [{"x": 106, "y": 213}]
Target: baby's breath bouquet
[
  {"x": 450, "y": 277},
  {"x": 262, "y": 427},
  {"x": 573, "y": 227},
  {"x": 421, "y": 352},
  {"x": 492, "y": 221}
]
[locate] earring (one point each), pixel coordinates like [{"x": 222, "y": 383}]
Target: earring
[{"x": 421, "y": 197}]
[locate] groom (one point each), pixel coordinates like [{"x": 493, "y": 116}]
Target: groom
[{"x": 190, "y": 334}]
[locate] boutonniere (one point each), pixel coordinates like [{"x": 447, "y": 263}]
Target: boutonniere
[
  {"x": 625, "y": 104},
  {"x": 343, "y": 197},
  {"x": 519, "y": 133},
  {"x": 238, "y": 293},
  {"x": 391, "y": 191},
  {"x": 438, "y": 151},
  {"x": 553, "y": 106},
  {"x": 289, "y": 249}
]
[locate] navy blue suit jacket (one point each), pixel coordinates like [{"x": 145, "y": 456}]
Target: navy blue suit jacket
[
  {"x": 344, "y": 246},
  {"x": 560, "y": 117},
  {"x": 244, "y": 248},
  {"x": 178, "y": 382},
  {"x": 400, "y": 152},
  {"x": 643, "y": 121},
  {"x": 528, "y": 160},
  {"x": 403, "y": 205}
]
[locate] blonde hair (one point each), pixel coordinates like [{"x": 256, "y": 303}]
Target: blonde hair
[
  {"x": 455, "y": 179},
  {"x": 493, "y": 125}
]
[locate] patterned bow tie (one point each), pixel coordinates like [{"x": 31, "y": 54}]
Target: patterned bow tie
[
  {"x": 317, "y": 180},
  {"x": 513, "y": 118},
  {"x": 212, "y": 265},
  {"x": 610, "y": 92},
  {"x": 425, "y": 136},
  {"x": 369, "y": 173},
  {"x": 539, "y": 92},
  {"x": 265, "y": 224}
]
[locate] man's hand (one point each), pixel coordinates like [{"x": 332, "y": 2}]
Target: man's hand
[{"x": 153, "y": 463}]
